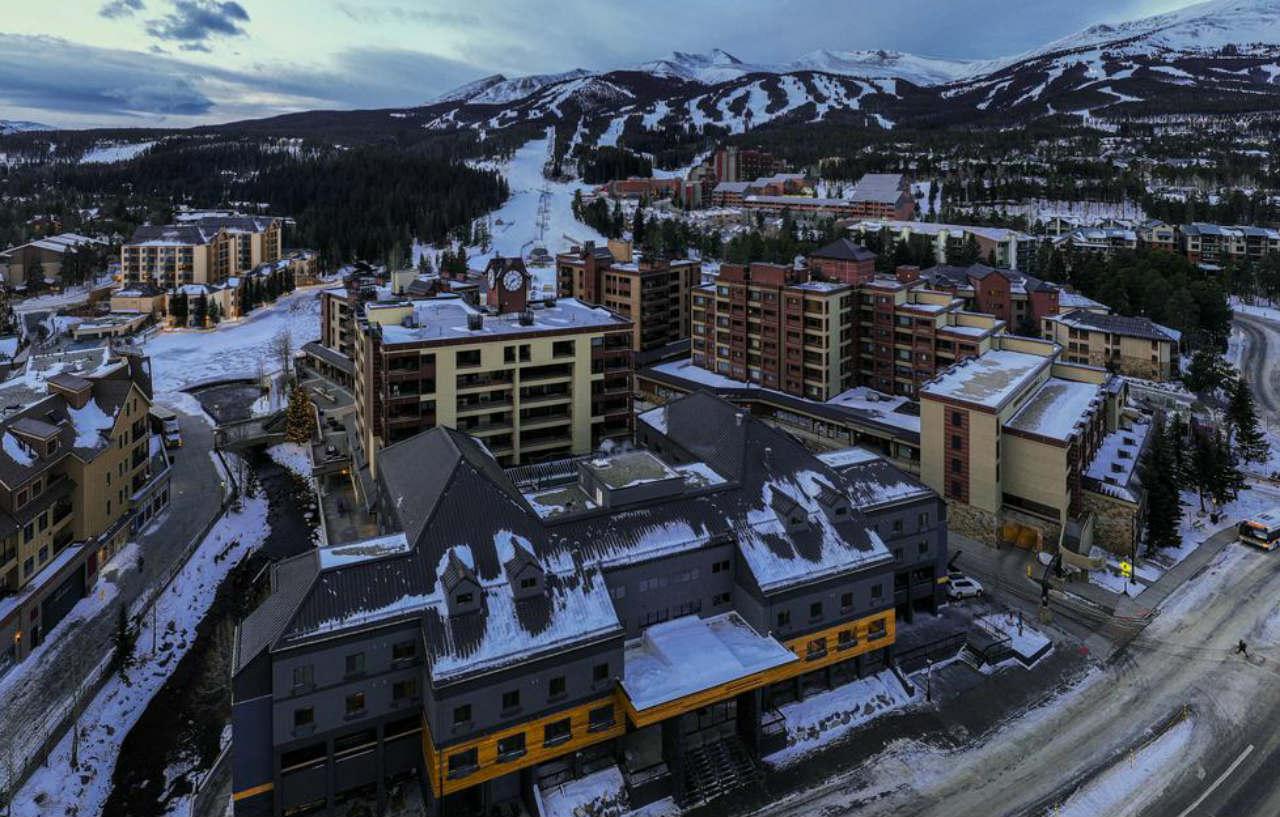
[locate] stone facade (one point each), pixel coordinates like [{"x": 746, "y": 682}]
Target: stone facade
[
  {"x": 1117, "y": 524},
  {"x": 972, "y": 522}
]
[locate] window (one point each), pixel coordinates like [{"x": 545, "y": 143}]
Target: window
[
  {"x": 846, "y": 639},
  {"x": 355, "y": 703},
  {"x": 922, "y": 520},
  {"x": 511, "y": 700},
  {"x": 897, "y": 526},
  {"x": 846, "y": 601},
  {"x": 403, "y": 651},
  {"x": 462, "y": 764},
  {"x": 720, "y": 567},
  {"x": 923, "y": 547},
  {"x": 956, "y": 466},
  {"x": 720, "y": 599},
  {"x": 461, "y": 714},
  {"x": 511, "y": 747},
  {"x": 877, "y": 630},
  {"x": 957, "y": 418},
  {"x": 784, "y": 618},
  {"x": 355, "y": 663},
  {"x": 463, "y": 598},
  {"x": 600, "y": 719},
  {"x": 877, "y": 591},
  {"x": 468, "y": 358},
  {"x": 553, "y": 734},
  {"x": 404, "y": 690},
  {"x": 303, "y": 676},
  {"x": 956, "y": 441},
  {"x": 897, "y": 554},
  {"x": 815, "y": 610},
  {"x": 304, "y": 717},
  {"x": 556, "y": 688},
  {"x": 816, "y": 648},
  {"x": 528, "y": 582},
  {"x": 600, "y": 672}
]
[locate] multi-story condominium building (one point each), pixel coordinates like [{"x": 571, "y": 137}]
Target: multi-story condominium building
[
  {"x": 1138, "y": 347},
  {"x": 533, "y": 380},
  {"x": 205, "y": 250},
  {"x": 882, "y": 195},
  {"x": 1018, "y": 299},
  {"x": 1012, "y": 249},
  {"x": 843, "y": 260},
  {"x": 1155, "y": 234},
  {"x": 40, "y": 262},
  {"x": 732, "y": 164},
  {"x": 652, "y": 292},
  {"x": 1100, "y": 240},
  {"x": 733, "y": 194},
  {"x": 1214, "y": 244},
  {"x": 78, "y": 465},
  {"x": 649, "y": 609},
  {"x": 638, "y": 187},
  {"x": 1008, "y": 436}
]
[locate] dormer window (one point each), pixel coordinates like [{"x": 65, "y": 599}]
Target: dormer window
[
  {"x": 528, "y": 583},
  {"x": 464, "y": 598}
]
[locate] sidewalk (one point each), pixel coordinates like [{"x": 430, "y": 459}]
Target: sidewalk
[
  {"x": 37, "y": 689},
  {"x": 1151, "y": 598}
]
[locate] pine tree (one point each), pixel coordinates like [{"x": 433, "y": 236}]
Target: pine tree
[
  {"x": 638, "y": 227},
  {"x": 1242, "y": 414},
  {"x": 299, "y": 418},
  {"x": 1206, "y": 372},
  {"x": 1176, "y": 435},
  {"x": 1164, "y": 505},
  {"x": 213, "y": 313},
  {"x": 123, "y": 641},
  {"x": 1204, "y": 467},
  {"x": 1228, "y": 480}
]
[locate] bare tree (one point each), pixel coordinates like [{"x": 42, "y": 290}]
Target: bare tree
[{"x": 282, "y": 350}]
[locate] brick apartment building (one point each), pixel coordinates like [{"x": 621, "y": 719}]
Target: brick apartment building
[{"x": 652, "y": 292}]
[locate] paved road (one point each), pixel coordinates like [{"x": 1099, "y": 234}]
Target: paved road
[
  {"x": 42, "y": 686},
  {"x": 1259, "y": 361}
]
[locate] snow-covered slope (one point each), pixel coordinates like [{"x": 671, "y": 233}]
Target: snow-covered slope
[
  {"x": 711, "y": 68},
  {"x": 498, "y": 90},
  {"x": 922, "y": 71},
  {"x": 8, "y": 126}
]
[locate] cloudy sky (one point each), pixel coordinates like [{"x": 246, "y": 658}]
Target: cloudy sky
[{"x": 138, "y": 63}]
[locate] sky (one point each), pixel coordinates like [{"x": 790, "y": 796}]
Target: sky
[{"x": 178, "y": 63}]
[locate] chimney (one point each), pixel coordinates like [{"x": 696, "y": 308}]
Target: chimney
[
  {"x": 526, "y": 317},
  {"x": 475, "y": 321},
  {"x": 908, "y": 273}
]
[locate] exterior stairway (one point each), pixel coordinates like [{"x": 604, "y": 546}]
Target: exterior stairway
[{"x": 714, "y": 770}]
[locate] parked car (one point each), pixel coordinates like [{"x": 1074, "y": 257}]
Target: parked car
[{"x": 963, "y": 588}]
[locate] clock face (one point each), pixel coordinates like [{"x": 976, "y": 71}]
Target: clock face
[
  {"x": 513, "y": 280},
  {"x": 493, "y": 280}
]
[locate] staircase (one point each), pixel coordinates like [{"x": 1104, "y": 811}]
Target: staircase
[{"x": 714, "y": 770}]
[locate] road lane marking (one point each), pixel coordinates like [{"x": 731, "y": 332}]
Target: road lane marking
[{"x": 1248, "y": 750}]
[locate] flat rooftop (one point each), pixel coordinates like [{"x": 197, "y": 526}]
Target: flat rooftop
[
  {"x": 1058, "y": 408},
  {"x": 989, "y": 380},
  {"x": 688, "y": 655},
  {"x": 447, "y": 319},
  {"x": 630, "y": 468}
]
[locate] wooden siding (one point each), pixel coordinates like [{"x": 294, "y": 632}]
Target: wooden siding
[{"x": 488, "y": 766}]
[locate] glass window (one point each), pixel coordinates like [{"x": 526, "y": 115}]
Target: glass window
[
  {"x": 304, "y": 717},
  {"x": 462, "y": 714},
  {"x": 557, "y": 687},
  {"x": 355, "y": 703},
  {"x": 600, "y": 672},
  {"x": 403, "y": 650},
  {"x": 511, "y": 700},
  {"x": 355, "y": 663},
  {"x": 511, "y": 747}
]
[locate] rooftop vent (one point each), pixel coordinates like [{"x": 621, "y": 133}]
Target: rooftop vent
[
  {"x": 526, "y": 317},
  {"x": 475, "y": 321}
]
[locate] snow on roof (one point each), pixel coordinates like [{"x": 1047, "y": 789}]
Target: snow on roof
[
  {"x": 690, "y": 654},
  {"x": 890, "y": 409},
  {"x": 364, "y": 550},
  {"x": 656, "y": 418},
  {"x": 988, "y": 380},
  {"x": 1058, "y": 408},
  {"x": 446, "y": 318},
  {"x": 1116, "y": 461},
  {"x": 17, "y": 452},
  {"x": 90, "y": 422},
  {"x": 934, "y": 228},
  {"x": 845, "y": 457},
  {"x": 879, "y": 187}
]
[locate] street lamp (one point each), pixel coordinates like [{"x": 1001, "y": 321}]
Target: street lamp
[{"x": 928, "y": 690}]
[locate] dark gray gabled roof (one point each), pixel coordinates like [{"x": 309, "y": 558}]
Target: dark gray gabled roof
[
  {"x": 1135, "y": 327},
  {"x": 842, "y": 249},
  {"x": 291, "y": 579}
]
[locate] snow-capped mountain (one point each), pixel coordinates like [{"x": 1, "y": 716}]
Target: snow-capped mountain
[
  {"x": 498, "y": 90},
  {"x": 711, "y": 68},
  {"x": 8, "y": 126},
  {"x": 922, "y": 71}
]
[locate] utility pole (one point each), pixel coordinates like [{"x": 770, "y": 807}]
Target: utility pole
[{"x": 928, "y": 690}]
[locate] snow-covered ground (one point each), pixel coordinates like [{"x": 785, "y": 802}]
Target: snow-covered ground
[
  {"x": 58, "y": 789},
  {"x": 821, "y": 719},
  {"x": 112, "y": 152},
  {"x": 1131, "y": 784},
  {"x": 1260, "y": 310},
  {"x": 233, "y": 349},
  {"x": 1024, "y": 639},
  {"x": 1197, "y": 527},
  {"x": 54, "y": 300},
  {"x": 292, "y": 456},
  {"x": 599, "y": 794}
]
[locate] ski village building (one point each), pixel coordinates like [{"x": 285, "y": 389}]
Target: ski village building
[
  {"x": 648, "y": 608},
  {"x": 207, "y": 249},
  {"x": 80, "y": 471}
]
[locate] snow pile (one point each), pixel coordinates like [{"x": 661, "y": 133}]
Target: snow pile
[
  {"x": 90, "y": 422},
  {"x": 599, "y": 794},
  {"x": 822, "y": 719},
  {"x": 58, "y": 789},
  {"x": 1135, "y": 781},
  {"x": 1027, "y": 642}
]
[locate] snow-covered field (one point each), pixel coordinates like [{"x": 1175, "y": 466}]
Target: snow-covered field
[
  {"x": 1197, "y": 527},
  {"x": 112, "y": 152},
  {"x": 828, "y": 716},
  {"x": 58, "y": 789},
  {"x": 233, "y": 349},
  {"x": 68, "y": 297}
]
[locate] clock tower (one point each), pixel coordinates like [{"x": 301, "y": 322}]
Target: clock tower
[{"x": 508, "y": 285}]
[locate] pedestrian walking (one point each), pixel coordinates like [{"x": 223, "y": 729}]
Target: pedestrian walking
[{"x": 1242, "y": 648}]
